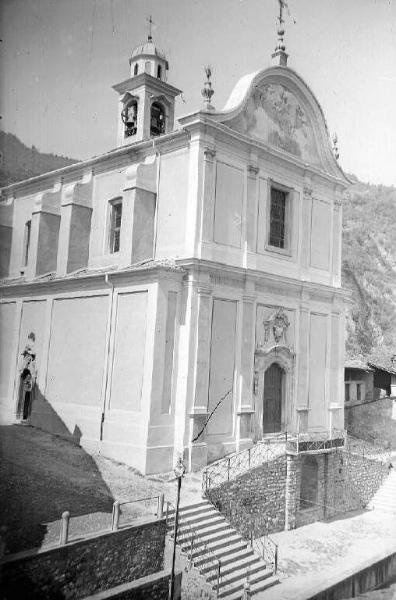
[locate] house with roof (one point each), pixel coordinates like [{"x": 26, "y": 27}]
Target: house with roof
[{"x": 370, "y": 399}]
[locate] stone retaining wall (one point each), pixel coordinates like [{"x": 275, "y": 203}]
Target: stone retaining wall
[{"x": 83, "y": 567}]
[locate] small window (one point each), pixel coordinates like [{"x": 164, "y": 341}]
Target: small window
[
  {"x": 358, "y": 391},
  {"x": 347, "y": 392},
  {"x": 26, "y": 242},
  {"x": 157, "y": 121},
  {"x": 136, "y": 69},
  {"x": 277, "y": 225},
  {"x": 159, "y": 72},
  {"x": 115, "y": 225}
]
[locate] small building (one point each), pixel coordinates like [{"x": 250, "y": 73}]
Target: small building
[
  {"x": 370, "y": 399},
  {"x": 181, "y": 294}
]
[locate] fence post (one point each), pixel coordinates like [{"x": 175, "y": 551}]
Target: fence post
[
  {"x": 64, "y": 533},
  {"x": 276, "y": 560},
  {"x": 228, "y": 469},
  {"x": 116, "y": 515},
  {"x": 160, "y": 507},
  {"x": 249, "y": 457}
]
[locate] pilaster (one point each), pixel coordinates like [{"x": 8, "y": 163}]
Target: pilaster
[
  {"x": 209, "y": 172},
  {"x": 44, "y": 239},
  {"x": 252, "y": 206}
]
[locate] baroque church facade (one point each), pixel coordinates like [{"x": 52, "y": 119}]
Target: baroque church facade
[{"x": 180, "y": 294}]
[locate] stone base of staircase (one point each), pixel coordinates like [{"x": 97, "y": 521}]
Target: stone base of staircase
[{"x": 238, "y": 561}]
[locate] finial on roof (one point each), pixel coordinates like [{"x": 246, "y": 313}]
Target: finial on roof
[
  {"x": 150, "y": 23},
  {"x": 335, "y": 147},
  {"x": 207, "y": 91},
  {"x": 280, "y": 54}
]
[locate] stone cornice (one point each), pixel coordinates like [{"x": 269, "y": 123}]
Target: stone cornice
[
  {"x": 84, "y": 281},
  {"x": 240, "y": 274},
  {"x": 132, "y": 83}
]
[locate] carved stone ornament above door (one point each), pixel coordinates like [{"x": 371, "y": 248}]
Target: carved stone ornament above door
[{"x": 277, "y": 325}]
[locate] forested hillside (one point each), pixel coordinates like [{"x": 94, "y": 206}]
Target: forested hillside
[
  {"x": 369, "y": 268},
  {"x": 20, "y": 162}
]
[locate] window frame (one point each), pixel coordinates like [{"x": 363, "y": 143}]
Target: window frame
[
  {"x": 289, "y": 192},
  {"x": 112, "y": 231}
]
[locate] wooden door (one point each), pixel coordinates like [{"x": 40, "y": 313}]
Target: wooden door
[{"x": 272, "y": 410}]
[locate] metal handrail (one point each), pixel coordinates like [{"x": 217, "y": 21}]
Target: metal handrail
[
  {"x": 237, "y": 463},
  {"x": 194, "y": 540}
]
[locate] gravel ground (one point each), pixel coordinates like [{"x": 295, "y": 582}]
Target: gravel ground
[{"x": 42, "y": 475}]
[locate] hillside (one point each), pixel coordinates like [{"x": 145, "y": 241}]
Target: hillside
[
  {"x": 20, "y": 162},
  {"x": 369, "y": 268}
]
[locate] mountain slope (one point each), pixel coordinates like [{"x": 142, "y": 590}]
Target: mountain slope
[
  {"x": 369, "y": 267},
  {"x": 20, "y": 162}
]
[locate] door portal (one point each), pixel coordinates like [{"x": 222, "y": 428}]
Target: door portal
[{"x": 272, "y": 401}]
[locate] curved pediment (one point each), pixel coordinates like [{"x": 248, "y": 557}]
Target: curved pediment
[{"x": 276, "y": 107}]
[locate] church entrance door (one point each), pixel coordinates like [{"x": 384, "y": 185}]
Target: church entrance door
[{"x": 272, "y": 401}]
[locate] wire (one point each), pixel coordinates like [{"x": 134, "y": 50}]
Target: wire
[{"x": 211, "y": 414}]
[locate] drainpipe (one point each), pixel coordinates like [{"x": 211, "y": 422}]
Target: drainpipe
[
  {"x": 158, "y": 154},
  {"x": 107, "y": 356}
]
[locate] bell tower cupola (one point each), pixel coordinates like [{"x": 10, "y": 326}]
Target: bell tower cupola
[{"x": 146, "y": 100}]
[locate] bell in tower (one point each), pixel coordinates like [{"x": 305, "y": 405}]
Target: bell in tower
[{"x": 146, "y": 99}]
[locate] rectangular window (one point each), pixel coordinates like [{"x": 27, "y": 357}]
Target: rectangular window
[
  {"x": 347, "y": 392},
  {"x": 277, "y": 226},
  {"x": 358, "y": 391},
  {"x": 26, "y": 242},
  {"x": 115, "y": 225}
]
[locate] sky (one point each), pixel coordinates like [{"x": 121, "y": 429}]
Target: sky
[{"x": 60, "y": 58}]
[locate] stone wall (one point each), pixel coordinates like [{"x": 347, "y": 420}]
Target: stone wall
[
  {"x": 278, "y": 495},
  {"x": 374, "y": 422},
  {"x": 86, "y": 566},
  {"x": 258, "y": 494},
  {"x": 152, "y": 587}
]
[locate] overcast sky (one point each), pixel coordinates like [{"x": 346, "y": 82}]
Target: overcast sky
[{"x": 60, "y": 58}]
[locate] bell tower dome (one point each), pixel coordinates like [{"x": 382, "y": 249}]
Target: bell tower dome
[{"x": 146, "y": 100}]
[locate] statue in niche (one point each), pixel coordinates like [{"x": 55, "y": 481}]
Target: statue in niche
[{"x": 28, "y": 374}]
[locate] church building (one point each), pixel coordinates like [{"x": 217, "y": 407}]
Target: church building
[{"x": 181, "y": 293}]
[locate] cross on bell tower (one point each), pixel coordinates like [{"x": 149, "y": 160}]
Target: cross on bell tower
[{"x": 146, "y": 100}]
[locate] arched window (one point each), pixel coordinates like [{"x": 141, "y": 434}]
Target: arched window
[
  {"x": 159, "y": 72},
  {"x": 129, "y": 117},
  {"x": 309, "y": 483},
  {"x": 157, "y": 120},
  {"x": 136, "y": 69}
]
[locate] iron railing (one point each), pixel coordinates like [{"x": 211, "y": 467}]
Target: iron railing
[
  {"x": 316, "y": 440},
  {"x": 237, "y": 463},
  {"x": 191, "y": 543}
]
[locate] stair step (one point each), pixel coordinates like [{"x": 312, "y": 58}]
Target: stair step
[
  {"x": 235, "y": 594},
  {"x": 229, "y": 559},
  {"x": 223, "y": 551},
  {"x": 211, "y": 536},
  {"x": 240, "y": 574},
  {"x": 257, "y": 580},
  {"x": 248, "y": 561},
  {"x": 217, "y": 546}
]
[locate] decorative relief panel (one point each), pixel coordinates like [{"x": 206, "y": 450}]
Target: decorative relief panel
[
  {"x": 274, "y": 327},
  {"x": 274, "y": 114}
]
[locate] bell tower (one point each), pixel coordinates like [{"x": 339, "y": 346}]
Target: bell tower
[{"x": 146, "y": 103}]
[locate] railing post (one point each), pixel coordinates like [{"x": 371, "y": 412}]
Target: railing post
[
  {"x": 116, "y": 515},
  {"x": 276, "y": 560},
  {"x": 160, "y": 506},
  {"x": 218, "y": 578},
  {"x": 64, "y": 533},
  {"x": 249, "y": 457},
  {"x": 228, "y": 469},
  {"x": 191, "y": 550}
]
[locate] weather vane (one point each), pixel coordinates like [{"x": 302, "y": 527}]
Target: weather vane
[{"x": 150, "y": 24}]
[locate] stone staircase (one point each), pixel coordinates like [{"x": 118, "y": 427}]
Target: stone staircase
[
  {"x": 385, "y": 498},
  {"x": 207, "y": 538}
]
